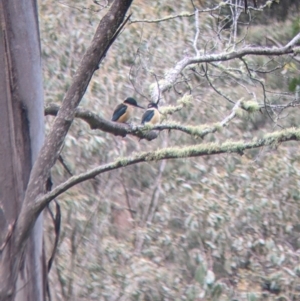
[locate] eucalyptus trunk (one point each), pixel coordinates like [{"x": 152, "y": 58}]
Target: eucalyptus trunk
[{"x": 22, "y": 135}]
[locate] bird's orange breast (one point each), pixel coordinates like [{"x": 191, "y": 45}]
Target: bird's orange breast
[{"x": 156, "y": 117}]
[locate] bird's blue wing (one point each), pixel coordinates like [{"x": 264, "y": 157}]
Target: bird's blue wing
[
  {"x": 147, "y": 116},
  {"x": 118, "y": 112}
]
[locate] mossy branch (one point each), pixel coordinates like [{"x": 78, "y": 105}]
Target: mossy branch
[
  {"x": 96, "y": 122},
  {"x": 145, "y": 132},
  {"x": 198, "y": 150},
  {"x": 142, "y": 132},
  {"x": 200, "y": 130}
]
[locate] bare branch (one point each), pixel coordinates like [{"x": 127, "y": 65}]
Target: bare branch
[
  {"x": 82, "y": 8},
  {"x": 255, "y": 8},
  {"x": 294, "y": 41},
  {"x": 163, "y": 19},
  {"x": 132, "y": 76},
  {"x": 215, "y": 88},
  {"x": 197, "y": 33},
  {"x": 208, "y": 10},
  {"x": 226, "y": 120},
  {"x": 172, "y": 74},
  {"x": 197, "y": 150}
]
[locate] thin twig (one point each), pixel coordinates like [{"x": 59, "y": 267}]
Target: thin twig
[
  {"x": 213, "y": 87},
  {"x": 183, "y": 15},
  {"x": 197, "y": 33}
]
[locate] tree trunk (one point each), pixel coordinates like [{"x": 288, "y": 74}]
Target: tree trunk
[
  {"x": 22, "y": 273},
  {"x": 22, "y": 134}
]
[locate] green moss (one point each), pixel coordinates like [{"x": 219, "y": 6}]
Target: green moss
[
  {"x": 185, "y": 100},
  {"x": 233, "y": 146},
  {"x": 297, "y": 133},
  {"x": 293, "y": 83},
  {"x": 168, "y": 110},
  {"x": 147, "y": 127},
  {"x": 209, "y": 147},
  {"x": 198, "y": 130},
  {"x": 203, "y": 148},
  {"x": 217, "y": 126},
  {"x": 197, "y": 150},
  {"x": 182, "y": 152},
  {"x": 228, "y": 146},
  {"x": 275, "y": 137},
  {"x": 195, "y": 130},
  {"x": 123, "y": 161},
  {"x": 291, "y": 132},
  {"x": 296, "y": 26},
  {"x": 250, "y": 106}
]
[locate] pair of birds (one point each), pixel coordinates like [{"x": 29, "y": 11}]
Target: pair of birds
[{"x": 123, "y": 112}]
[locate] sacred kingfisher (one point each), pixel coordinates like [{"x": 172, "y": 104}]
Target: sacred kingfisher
[
  {"x": 123, "y": 111},
  {"x": 151, "y": 115}
]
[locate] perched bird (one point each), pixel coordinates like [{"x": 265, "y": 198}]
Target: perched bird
[
  {"x": 151, "y": 115},
  {"x": 123, "y": 111}
]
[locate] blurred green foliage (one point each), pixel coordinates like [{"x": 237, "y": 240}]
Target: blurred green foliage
[
  {"x": 294, "y": 82},
  {"x": 296, "y": 26}
]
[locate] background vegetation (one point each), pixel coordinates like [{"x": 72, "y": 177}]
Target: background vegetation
[{"x": 220, "y": 227}]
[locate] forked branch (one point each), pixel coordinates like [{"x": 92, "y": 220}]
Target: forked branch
[{"x": 172, "y": 74}]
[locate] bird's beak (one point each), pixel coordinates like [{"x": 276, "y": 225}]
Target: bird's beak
[{"x": 140, "y": 107}]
